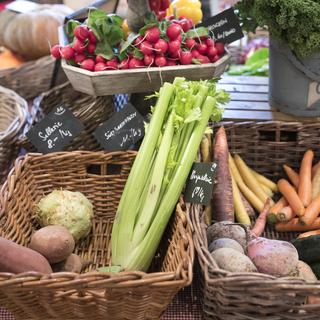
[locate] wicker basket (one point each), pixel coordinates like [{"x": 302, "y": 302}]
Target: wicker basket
[
  {"x": 31, "y": 78},
  {"x": 91, "y": 111},
  {"x": 266, "y": 147},
  {"x": 13, "y": 119},
  {"x": 91, "y": 295}
]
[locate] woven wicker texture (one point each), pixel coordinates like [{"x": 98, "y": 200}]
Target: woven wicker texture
[
  {"x": 13, "y": 118},
  {"x": 265, "y": 147},
  {"x": 91, "y": 111},
  {"x": 30, "y": 79},
  {"x": 91, "y": 295}
]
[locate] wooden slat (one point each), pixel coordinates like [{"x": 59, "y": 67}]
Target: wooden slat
[
  {"x": 246, "y": 105},
  {"x": 243, "y": 96},
  {"x": 244, "y": 80},
  {"x": 244, "y": 88}
]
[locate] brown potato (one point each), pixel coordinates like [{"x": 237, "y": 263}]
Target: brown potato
[
  {"x": 73, "y": 263},
  {"x": 53, "y": 242}
]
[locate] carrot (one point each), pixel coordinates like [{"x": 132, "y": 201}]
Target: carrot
[
  {"x": 285, "y": 214},
  {"x": 248, "y": 206},
  {"x": 266, "y": 190},
  {"x": 272, "y": 216},
  {"x": 304, "y": 189},
  {"x": 315, "y": 168},
  {"x": 261, "y": 221},
  {"x": 295, "y": 225},
  {"x": 223, "y": 209},
  {"x": 315, "y": 188},
  {"x": 291, "y": 196},
  {"x": 309, "y": 234},
  {"x": 312, "y": 212},
  {"x": 265, "y": 181},
  {"x": 292, "y": 175}
]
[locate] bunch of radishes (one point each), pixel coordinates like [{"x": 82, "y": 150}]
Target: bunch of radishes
[{"x": 169, "y": 47}]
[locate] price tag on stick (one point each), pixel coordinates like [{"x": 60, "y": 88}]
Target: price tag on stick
[
  {"x": 122, "y": 130},
  {"x": 55, "y": 131},
  {"x": 200, "y": 183},
  {"x": 224, "y": 27}
]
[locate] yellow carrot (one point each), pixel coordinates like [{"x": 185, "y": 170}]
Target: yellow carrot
[
  {"x": 265, "y": 181},
  {"x": 267, "y": 191}
]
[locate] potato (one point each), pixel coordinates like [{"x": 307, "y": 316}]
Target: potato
[
  {"x": 53, "y": 242},
  {"x": 225, "y": 243},
  {"x": 233, "y": 261},
  {"x": 225, "y": 229},
  {"x": 73, "y": 263}
]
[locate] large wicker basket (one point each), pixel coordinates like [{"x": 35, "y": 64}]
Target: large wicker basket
[
  {"x": 91, "y": 295},
  {"x": 266, "y": 147},
  {"x": 91, "y": 111},
  {"x": 13, "y": 119}
]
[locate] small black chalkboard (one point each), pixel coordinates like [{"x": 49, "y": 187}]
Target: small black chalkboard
[
  {"x": 224, "y": 27},
  {"x": 55, "y": 131},
  {"x": 122, "y": 130},
  {"x": 200, "y": 183}
]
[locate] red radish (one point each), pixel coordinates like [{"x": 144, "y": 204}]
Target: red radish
[
  {"x": 220, "y": 48},
  {"x": 100, "y": 66},
  {"x": 186, "y": 57},
  {"x": 215, "y": 58},
  {"x": 146, "y": 48},
  {"x": 185, "y": 24},
  {"x": 171, "y": 17},
  {"x": 195, "y": 53},
  {"x": 171, "y": 62},
  {"x": 202, "y": 48},
  {"x": 92, "y": 37},
  {"x": 87, "y": 64},
  {"x": 153, "y": 34},
  {"x": 100, "y": 59},
  {"x": 174, "y": 46},
  {"x": 176, "y": 54},
  {"x": 160, "y": 61},
  {"x": 112, "y": 64},
  {"x": 190, "y": 43},
  {"x": 148, "y": 60},
  {"x": 137, "y": 42},
  {"x": 67, "y": 53},
  {"x": 179, "y": 38},
  {"x": 81, "y": 33},
  {"x": 135, "y": 63},
  {"x": 210, "y": 42},
  {"x": 91, "y": 48},
  {"x": 161, "y": 46},
  {"x": 173, "y": 31},
  {"x": 79, "y": 58},
  {"x": 203, "y": 59},
  {"x": 211, "y": 52},
  {"x": 79, "y": 46},
  {"x": 55, "y": 51},
  {"x": 124, "y": 64}
]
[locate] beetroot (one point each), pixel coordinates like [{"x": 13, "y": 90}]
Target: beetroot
[
  {"x": 67, "y": 53},
  {"x": 88, "y": 64},
  {"x": 55, "y": 51},
  {"x": 81, "y": 33}
]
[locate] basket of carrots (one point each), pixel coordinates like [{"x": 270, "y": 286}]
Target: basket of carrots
[{"x": 258, "y": 240}]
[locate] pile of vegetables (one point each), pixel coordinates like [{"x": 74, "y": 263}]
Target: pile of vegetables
[
  {"x": 99, "y": 44},
  {"x": 294, "y": 22}
]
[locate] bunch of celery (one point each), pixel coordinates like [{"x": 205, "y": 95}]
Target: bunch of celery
[{"x": 161, "y": 168}]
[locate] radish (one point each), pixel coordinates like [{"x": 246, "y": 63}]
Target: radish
[
  {"x": 202, "y": 48},
  {"x": 135, "y": 63},
  {"x": 171, "y": 62},
  {"x": 210, "y": 42},
  {"x": 137, "y": 42},
  {"x": 186, "y": 57},
  {"x": 100, "y": 59},
  {"x": 112, "y": 64},
  {"x": 160, "y": 61},
  {"x": 55, "y": 51},
  {"x": 148, "y": 60},
  {"x": 215, "y": 58},
  {"x": 81, "y": 33},
  {"x": 91, "y": 48},
  {"x": 203, "y": 59},
  {"x": 195, "y": 53},
  {"x": 185, "y": 24},
  {"x": 146, "y": 48},
  {"x": 161, "y": 46},
  {"x": 124, "y": 64},
  {"x": 100, "y": 66},
  {"x": 179, "y": 38},
  {"x": 92, "y": 37},
  {"x": 190, "y": 43},
  {"x": 153, "y": 34},
  {"x": 87, "y": 64},
  {"x": 79, "y": 46},
  {"x": 79, "y": 58},
  {"x": 174, "y": 46},
  {"x": 220, "y": 48},
  {"x": 176, "y": 54},
  {"x": 173, "y": 31},
  {"x": 211, "y": 52},
  {"x": 67, "y": 53}
]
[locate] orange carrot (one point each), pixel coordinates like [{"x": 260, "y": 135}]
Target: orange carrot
[
  {"x": 315, "y": 168},
  {"x": 272, "y": 216},
  {"x": 291, "y": 196},
  {"x": 305, "y": 187},
  {"x": 309, "y": 234},
  {"x": 261, "y": 221},
  {"x": 285, "y": 214},
  {"x": 295, "y": 225},
  {"x": 292, "y": 175},
  {"x": 312, "y": 212}
]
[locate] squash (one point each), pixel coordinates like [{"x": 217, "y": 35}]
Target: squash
[
  {"x": 308, "y": 248},
  {"x": 31, "y": 34},
  {"x": 9, "y": 60}
]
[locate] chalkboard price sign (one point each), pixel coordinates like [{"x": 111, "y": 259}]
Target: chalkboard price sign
[
  {"x": 122, "y": 130},
  {"x": 200, "y": 183},
  {"x": 55, "y": 131},
  {"x": 224, "y": 27}
]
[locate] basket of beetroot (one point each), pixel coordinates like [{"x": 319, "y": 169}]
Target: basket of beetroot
[{"x": 100, "y": 57}]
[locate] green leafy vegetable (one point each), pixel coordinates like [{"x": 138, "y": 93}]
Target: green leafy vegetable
[
  {"x": 198, "y": 32},
  {"x": 70, "y": 26}
]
